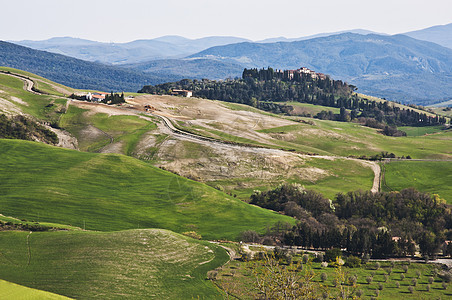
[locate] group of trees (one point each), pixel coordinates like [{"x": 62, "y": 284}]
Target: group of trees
[
  {"x": 114, "y": 98},
  {"x": 23, "y": 128},
  {"x": 361, "y": 222},
  {"x": 259, "y": 88}
]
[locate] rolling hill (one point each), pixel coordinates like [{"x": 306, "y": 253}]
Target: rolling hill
[
  {"x": 114, "y": 192},
  {"x": 441, "y": 35},
  {"x": 74, "y": 72},
  {"x": 132, "y": 264},
  {"x": 394, "y": 67}
]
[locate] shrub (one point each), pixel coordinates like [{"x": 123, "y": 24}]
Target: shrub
[
  {"x": 192, "y": 234},
  {"x": 389, "y": 271},
  {"x": 377, "y": 265},
  {"x": 402, "y": 276},
  {"x": 418, "y": 274},
  {"x": 324, "y": 264},
  {"x": 430, "y": 280},
  {"x": 353, "y": 262},
  {"x": 377, "y": 293},
  {"x": 428, "y": 287},
  {"x": 323, "y": 277},
  {"x": 386, "y": 277},
  {"x": 380, "y": 286},
  {"x": 319, "y": 257},
  {"x": 332, "y": 254},
  {"x": 352, "y": 280},
  {"x": 444, "y": 285},
  {"x": 359, "y": 293},
  {"x": 250, "y": 236},
  {"x": 369, "y": 279},
  {"x": 405, "y": 268},
  {"x": 392, "y": 264},
  {"x": 305, "y": 258},
  {"x": 410, "y": 289},
  {"x": 212, "y": 275},
  {"x": 414, "y": 281},
  {"x": 365, "y": 258},
  {"x": 397, "y": 284},
  {"x": 335, "y": 282}
]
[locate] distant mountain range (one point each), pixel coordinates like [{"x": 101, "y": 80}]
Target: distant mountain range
[
  {"x": 128, "y": 53},
  {"x": 77, "y": 73},
  {"x": 396, "y": 67}
]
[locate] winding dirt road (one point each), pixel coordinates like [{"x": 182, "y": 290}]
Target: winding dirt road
[
  {"x": 262, "y": 150},
  {"x": 181, "y": 134}
]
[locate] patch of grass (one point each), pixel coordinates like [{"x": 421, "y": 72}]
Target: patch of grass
[
  {"x": 334, "y": 176},
  {"x": 132, "y": 264},
  {"x": 345, "y": 139},
  {"x": 427, "y": 176},
  {"x": 42, "y": 83},
  {"x": 9, "y": 290},
  {"x": 115, "y": 192},
  {"x": 126, "y": 129},
  {"x": 420, "y": 131},
  {"x": 311, "y": 108},
  {"x": 43, "y": 107}
]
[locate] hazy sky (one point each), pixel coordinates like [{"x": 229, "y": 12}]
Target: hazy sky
[{"x": 127, "y": 20}]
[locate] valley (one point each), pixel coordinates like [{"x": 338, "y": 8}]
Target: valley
[{"x": 113, "y": 186}]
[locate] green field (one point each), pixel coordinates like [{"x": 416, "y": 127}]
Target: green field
[
  {"x": 126, "y": 130},
  {"x": 419, "y": 131},
  {"x": 9, "y": 290},
  {"x": 341, "y": 138},
  {"x": 44, "y": 107},
  {"x": 434, "y": 177},
  {"x": 42, "y": 83},
  {"x": 115, "y": 192},
  {"x": 132, "y": 264},
  {"x": 338, "y": 176}
]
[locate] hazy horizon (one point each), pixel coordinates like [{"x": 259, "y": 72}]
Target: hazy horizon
[{"x": 116, "y": 21}]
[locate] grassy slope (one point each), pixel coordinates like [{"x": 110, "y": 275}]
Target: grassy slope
[
  {"x": 42, "y": 83},
  {"x": 345, "y": 139},
  {"x": 428, "y": 176},
  {"x": 38, "y": 105},
  {"x": 419, "y": 131},
  {"x": 114, "y": 192},
  {"x": 9, "y": 290},
  {"x": 125, "y": 129},
  {"x": 133, "y": 264},
  {"x": 341, "y": 176}
]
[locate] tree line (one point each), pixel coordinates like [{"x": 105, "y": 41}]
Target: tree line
[
  {"x": 381, "y": 224},
  {"x": 269, "y": 90}
]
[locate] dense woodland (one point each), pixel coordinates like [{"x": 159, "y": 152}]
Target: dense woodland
[
  {"x": 23, "y": 128},
  {"x": 361, "y": 222},
  {"x": 268, "y": 89}
]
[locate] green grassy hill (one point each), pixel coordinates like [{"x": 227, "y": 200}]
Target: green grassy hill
[
  {"x": 115, "y": 192},
  {"x": 9, "y": 290},
  {"x": 132, "y": 264},
  {"x": 427, "y": 176}
]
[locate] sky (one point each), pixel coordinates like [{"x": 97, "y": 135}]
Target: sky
[{"x": 128, "y": 20}]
